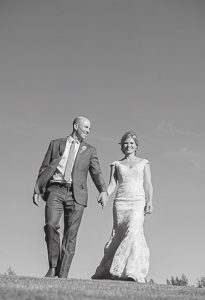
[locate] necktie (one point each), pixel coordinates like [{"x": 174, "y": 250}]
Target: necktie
[{"x": 70, "y": 162}]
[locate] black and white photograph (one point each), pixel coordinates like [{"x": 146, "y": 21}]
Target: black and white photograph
[{"x": 103, "y": 149}]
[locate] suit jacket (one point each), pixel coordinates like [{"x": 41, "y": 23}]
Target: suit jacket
[{"x": 86, "y": 160}]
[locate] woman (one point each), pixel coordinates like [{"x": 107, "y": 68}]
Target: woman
[{"x": 126, "y": 255}]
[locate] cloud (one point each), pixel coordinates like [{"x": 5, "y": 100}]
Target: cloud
[
  {"x": 196, "y": 159},
  {"x": 171, "y": 129}
]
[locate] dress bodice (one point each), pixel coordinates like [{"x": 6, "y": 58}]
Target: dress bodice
[{"x": 130, "y": 180}]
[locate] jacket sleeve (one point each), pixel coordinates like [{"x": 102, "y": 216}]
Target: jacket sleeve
[
  {"x": 44, "y": 165},
  {"x": 96, "y": 173},
  {"x": 46, "y": 160}
]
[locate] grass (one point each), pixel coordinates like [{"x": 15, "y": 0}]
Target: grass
[{"x": 30, "y": 288}]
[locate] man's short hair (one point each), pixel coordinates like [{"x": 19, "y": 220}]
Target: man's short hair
[{"x": 77, "y": 120}]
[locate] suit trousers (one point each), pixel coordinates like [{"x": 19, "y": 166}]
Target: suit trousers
[{"x": 60, "y": 200}]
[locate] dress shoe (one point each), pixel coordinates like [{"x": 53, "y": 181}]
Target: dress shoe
[
  {"x": 51, "y": 273},
  {"x": 130, "y": 279},
  {"x": 62, "y": 276}
]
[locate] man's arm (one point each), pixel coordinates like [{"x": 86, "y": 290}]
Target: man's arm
[
  {"x": 46, "y": 160},
  {"x": 97, "y": 177},
  {"x": 36, "y": 195},
  {"x": 102, "y": 199},
  {"x": 96, "y": 173}
]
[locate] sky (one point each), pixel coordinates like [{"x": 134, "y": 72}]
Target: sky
[{"x": 126, "y": 65}]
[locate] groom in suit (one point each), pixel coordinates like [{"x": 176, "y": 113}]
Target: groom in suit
[{"x": 62, "y": 183}]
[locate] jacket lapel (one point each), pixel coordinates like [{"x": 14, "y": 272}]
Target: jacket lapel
[{"x": 82, "y": 144}]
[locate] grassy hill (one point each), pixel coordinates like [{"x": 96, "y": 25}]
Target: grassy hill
[{"x": 26, "y": 288}]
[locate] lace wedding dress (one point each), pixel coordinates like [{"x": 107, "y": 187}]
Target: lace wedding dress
[{"x": 126, "y": 254}]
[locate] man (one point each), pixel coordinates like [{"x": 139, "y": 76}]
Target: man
[{"x": 62, "y": 183}]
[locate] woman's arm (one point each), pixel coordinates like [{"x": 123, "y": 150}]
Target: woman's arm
[
  {"x": 110, "y": 188},
  {"x": 148, "y": 189},
  {"x": 113, "y": 181}
]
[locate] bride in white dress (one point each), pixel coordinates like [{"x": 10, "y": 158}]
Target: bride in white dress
[{"x": 126, "y": 254}]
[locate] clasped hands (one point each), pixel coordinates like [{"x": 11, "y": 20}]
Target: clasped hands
[{"x": 102, "y": 199}]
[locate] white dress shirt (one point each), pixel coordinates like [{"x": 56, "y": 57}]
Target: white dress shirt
[{"x": 58, "y": 176}]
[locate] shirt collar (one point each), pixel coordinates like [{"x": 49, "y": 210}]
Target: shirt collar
[{"x": 71, "y": 139}]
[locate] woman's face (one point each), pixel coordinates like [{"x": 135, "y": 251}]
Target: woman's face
[{"x": 129, "y": 146}]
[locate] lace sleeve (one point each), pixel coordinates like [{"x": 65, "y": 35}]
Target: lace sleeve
[
  {"x": 146, "y": 162},
  {"x": 113, "y": 164}
]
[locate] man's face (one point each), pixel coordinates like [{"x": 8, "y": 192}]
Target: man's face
[{"x": 82, "y": 129}]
